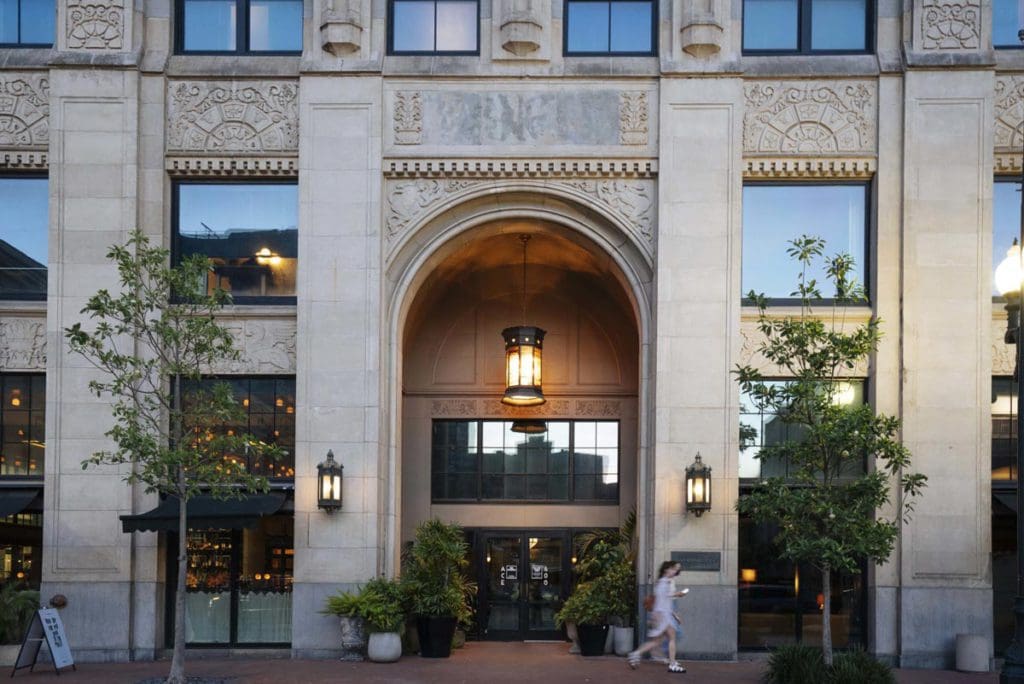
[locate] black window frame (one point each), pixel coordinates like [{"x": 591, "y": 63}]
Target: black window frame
[
  {"x": 28, "y": 377},
  {"x": 869, "y": 230},
  {"x": 570, "y": 500},
  {"x": 20, "y": 44},
  {"x": 1016, "y": 45},
  {"x": 176, "y": 254},
  {"x": 242, "y": 36},
  {"x": 804, "y": 23},
  {"x": 26, "y": 297},
  {"x": 653, "y": 52},
  {"x": 448, "y": 53}
]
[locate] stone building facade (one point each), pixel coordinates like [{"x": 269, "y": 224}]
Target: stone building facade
[{"x": 415, "y": 173}]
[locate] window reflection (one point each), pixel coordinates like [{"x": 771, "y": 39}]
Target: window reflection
[
  {"x": 210, "y": 25},
  {"x": 275, "y": 25},
  {"x": 838, "y": 25},
  {"x": 775, "y": 214},
  {"x": 27, "y": 22},
  {"x": 426, "y": 26},
  {"x": 1007, "y": 17},
  {"x": 616, "y": 27},
  {"x": 248, "y": 232},
  {"x": 1005, "y": 221},
  {"x": 770, "y": 24},
  {"x": 24, "y": 232},
  {"x": 241, "y": 26},
  {"x": 782, "y": 26}
]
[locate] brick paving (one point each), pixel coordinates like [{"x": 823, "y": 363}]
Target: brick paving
[{"x": 490, "y": 663}]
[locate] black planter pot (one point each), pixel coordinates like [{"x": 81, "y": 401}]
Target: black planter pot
[
  {"x": 435, "y": 635},
  {"x": 592, "y": 639}
]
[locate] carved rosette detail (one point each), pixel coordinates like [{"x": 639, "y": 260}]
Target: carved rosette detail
[
  {"x": 233, "y": 117},
  {"x": 633, "y": 118},
  {"x": 810, "y": 118},
  {"x": 263, "y": 346},
  {"x": 1009, "y": 108},
  {"x": 22, "y": 344},
  {"x": 408, "y": 118},
  {"x": 95, "y": 24},
  {"x": 24, "y": 110},
  {"x": 950, "y": 25}
]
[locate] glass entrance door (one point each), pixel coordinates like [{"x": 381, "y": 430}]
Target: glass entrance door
[{"x": 523, "y": 582}]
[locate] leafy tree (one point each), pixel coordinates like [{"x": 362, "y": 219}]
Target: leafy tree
[
  {"x": 842, "y": 464},
  {"x": 151, "y": 342}
]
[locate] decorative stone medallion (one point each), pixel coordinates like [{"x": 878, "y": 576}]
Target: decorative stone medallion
[
  {"x": 22, "y": 344},
  {"x": 233, "y": 116},
  {"x": 947, "y": 25},
  {"x": 810, "y": 118},
  {"x": 95, "y": 24},
  {"x": 1009, "y": 110},
  {"x": 24, "y": 109}
]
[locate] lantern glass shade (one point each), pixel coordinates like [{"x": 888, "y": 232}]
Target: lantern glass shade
[
  {"x": 698, "y": 487},
  {"x": 523, "y": 350},
  {"x": 529, "y": 426},
  {"x": 329, "y": 475}
]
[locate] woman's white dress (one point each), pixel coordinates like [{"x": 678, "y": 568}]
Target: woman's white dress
[{"x": 661, "y": 615}]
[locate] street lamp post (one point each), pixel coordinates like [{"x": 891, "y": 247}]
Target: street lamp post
[{"x": 1013, "y": 666}]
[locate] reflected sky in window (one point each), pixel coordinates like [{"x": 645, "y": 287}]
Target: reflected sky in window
[
  {"x": 33, "y": 25},
  {"x": 775, "y": 214},
  {"x": 216, "y": 209},
  {"x": 631, "y": 27},
  {"x": 1006, "y": 20},
  {"x": 838, "y": 24},
  {"x": 770, "y": 25},
  {"x": 615, "y": 27},
  {"x": 456, "y": 26},
  {"x": 24, "y": 228},
  {"x": 210, "y": 25},
  {"x": 414, "y": 23},
  {"x": 413, "y": 26},
  {"x": 1005, "y": 222},
  {"x": 275, "y": 25}
]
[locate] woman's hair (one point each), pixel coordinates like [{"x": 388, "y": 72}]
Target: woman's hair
[{"x": 665, "y": 566}]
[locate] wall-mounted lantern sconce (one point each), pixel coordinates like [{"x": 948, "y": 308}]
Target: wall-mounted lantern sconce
[
  {"x": 698, "y": 487},
  {"x": 328, "y": 477}
]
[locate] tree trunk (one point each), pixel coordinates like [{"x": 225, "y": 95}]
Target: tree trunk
[
  {"x": 177, "y": 674},
  {"x": 826, "y": 615}
]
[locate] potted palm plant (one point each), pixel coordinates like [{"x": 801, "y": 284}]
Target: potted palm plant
[
  {"x": 588, "y": 607},
  {"x": 436, "y": 586},
  {"x": 16, "y": 608}
]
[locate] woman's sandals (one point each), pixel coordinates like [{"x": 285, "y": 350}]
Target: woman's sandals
[{"x": 676, "y": 667}]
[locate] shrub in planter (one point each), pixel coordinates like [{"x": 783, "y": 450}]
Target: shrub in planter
[
  {"x": 438, "y": 591},
  {"x": 795, "y": 664},
  {"x": 857, "y": 666},
  {"x": 588, "y": 607},
  {"x": 379, "y": 606},
  {"x": 16, "y": 608}
]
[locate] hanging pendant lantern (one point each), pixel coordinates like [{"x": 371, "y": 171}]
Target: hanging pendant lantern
[
  {"x": 529, "y": 426},
  {"x": 523, "y": 350}
]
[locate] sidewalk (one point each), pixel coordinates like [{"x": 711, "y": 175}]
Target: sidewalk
[{"x": 478, "y": 662}]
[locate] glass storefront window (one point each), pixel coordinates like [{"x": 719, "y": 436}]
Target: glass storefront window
[
  {"x": 21, "y": 549},
  {"x": 1005, "y": 218},
  {"x": 22, "y": 425}
]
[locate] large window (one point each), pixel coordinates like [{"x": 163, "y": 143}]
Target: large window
[
  {"x": 21, "y": 549},
  {"x": 24, "y": 227},
  {"x": 603, "y": 27},
  {"x": 248, "y": 232},
  {"x": 449, "y": 27},
  {"x": 1005, "y": 221},
  {"x": 239, "y": 26},
  {"x": 23, "y": 425},
  {"x": 269, "y": 408},
  {"x": 27, "y": 23},
  {"x": 774, "y": 214},
  {"x": 807, "y": 26},
  {"x": 1007, "y": 18},
  {"x": 1004, "y": 509},
  {"x": 484, "y": 460}
]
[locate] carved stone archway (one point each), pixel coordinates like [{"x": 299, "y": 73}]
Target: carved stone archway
[{"x": 438, "y": 227}]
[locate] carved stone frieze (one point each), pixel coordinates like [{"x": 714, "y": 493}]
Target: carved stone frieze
[
  {"x": 598, "y": 408},
  {"x": 810, "y": 118},
  {"x": 459, "y": 408},
  {"x": 1003, "y": 355},
  {"x": 801, "y": 167},
  {"x": 632, "y": 199},
  {"x": 950, "y": 24},
  {"x": 24, "y": 159},
  {"x": 408, "y": 118},
  {"x": 233, "y": 116},
  {"x": 265, "y": 346},
  {"x": 552, "y": 407},
  {"x": 95, "y": 24},
  {"x": 633, "y": 118},
  {"x": 22, "y": 344},
  {"x": 410, "y": 199},
  {"x": 24, "y": 109},
  {"x": 232, "y": 166},
  {"x": 1009, "y": 110},
  {"x": 521, "y": 168}
]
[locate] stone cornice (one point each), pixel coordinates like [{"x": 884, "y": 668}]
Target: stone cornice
[
  {"x": 796, "y": 167},
  {"x": 520, "y": 168},
  {"x": 24, "y": 160},
  {"x": 232, "y": 166}
]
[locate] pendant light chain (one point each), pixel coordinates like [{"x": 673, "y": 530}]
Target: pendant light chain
[{"x": 525, "y": 239}]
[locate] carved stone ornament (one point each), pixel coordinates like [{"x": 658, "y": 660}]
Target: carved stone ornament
[
  {"x": 947, "y": 25},
  {"x": 95, "y": 24},
  {"x": 24, "y": 109},
  {"x": 798, "y": 117},
  {"x": 233, "y": 116},
  {"x": 633, "y": 118},
  {"x": 552, "y": 407},
  {"x": 522, "y": 26},
  {"x": 453, "y": 408},
  {"x": 265, "y": 346},
  {"x": 701, "y": 31},
  {"x": 1009, "y": 108},
  {"x": 1003, "y": 355},
  {"x": 598, "y": 408},
  {"x": 802, "y": 167},
  {"x": 22, "y": 344},
  {"x": 341, "y": 28},
  {"x": 408, "y": 118}
]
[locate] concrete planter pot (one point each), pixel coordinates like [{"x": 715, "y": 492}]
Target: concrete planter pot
[
  {"x": 623, "y": 640},
  {"x": 574, "y": 637},
  {"x": 384, "y": 647},
  {"x": 8, "y": 654},
  {"x": 353, "y": 639}
]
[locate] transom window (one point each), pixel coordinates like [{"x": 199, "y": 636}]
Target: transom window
[
  {"x": 449, "y": 27},
  {"x": 1007, "y": 16},
  {"x": 239, "y": 26},
  {"x": 602, "y": 27},
  {"x": 27, "y": 23},
  {"x": 247, "y": 231},
  {"x": 774, "y": 214},
  {"x": 23, "y": 425},
  {"x": 24, "y": 236},
  {"x": 1005, "y": 222},
  {"x": 484, "y": 460},
  {"x": 807, "y": 26}
]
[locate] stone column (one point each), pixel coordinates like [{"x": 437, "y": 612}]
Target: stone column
[
  {"x": 697, "y": 339},
  {"x": 337, "y": 357}
]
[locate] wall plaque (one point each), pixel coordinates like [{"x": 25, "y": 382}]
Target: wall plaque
[{"x": 699, "y": 561}]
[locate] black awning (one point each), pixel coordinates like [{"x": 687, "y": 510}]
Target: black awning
[
  {"x": 206, "y": 513},
  {"x": 14, "y": 501}
]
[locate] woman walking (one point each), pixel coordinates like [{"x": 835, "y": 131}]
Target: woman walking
[{"x": 664, "y": 624}]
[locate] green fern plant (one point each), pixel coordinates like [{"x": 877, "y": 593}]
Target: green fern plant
[{"x": 16, "y": 608}]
